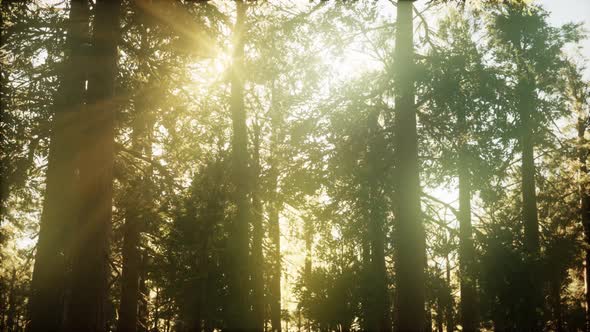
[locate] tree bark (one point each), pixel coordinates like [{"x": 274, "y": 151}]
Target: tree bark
[
  {"x": 450, "y": 322},
  {"x": 156, "y": 309},
  {"x": 130, "y": 275},
  {"x": 238, "y": 309},
  {"x": 257, "y": 266},
  {"x": 379, "y": 317},
  {"x": 143, "y": 313},
  {"x": 138, "y": 201},
  {"x": 308, "y": 234},
  {"x": 60, "y": 203},
  {"x": 526, "y": 103},
  {"x": 585, "y": 209},
  {"x": 467, "y": 277},
  {"x": 273, "y": 216},
  {"x": 555, "y": 300},
  {"x": 11, "y": 314},
  {"x": 3, "y": 302},
  {"x": 529, "y": 195},
  {"x": 410, "y": 240},
  {"x": 86, "y": 309}
]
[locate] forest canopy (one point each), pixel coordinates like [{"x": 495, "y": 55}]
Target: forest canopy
[{"x": 177, "y": 165}]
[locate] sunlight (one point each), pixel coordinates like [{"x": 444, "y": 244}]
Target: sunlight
[{"x": 325, "y": 166}]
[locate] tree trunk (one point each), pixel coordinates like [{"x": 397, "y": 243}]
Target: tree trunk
[
  {"x": 275, "y": 277},
  {"x": 156, "y": 309},
  {"x": 138, "y": 200},
  {"x": 257, "y": 265},
  {"x": 467, "y": 276},
  {"x": 273, "y": 216},
  {"x": 238, "y": 315},
  {"x": 529, "y": 196},
  {"x": 60, "y": 203},
  {"x": 143, "y": 313},
  {"x": 307, "y": 268},
  {"x": 367, "y": 301},
  {"x": 308, "y": 234},
  {"x": 439, "y": 316},
  {"x": 410, "y": 240},
  {"x": 11, "y": 314},
  {"x": 529, "y": 202},
  {"x": 91, "y": 249},
  {"x": 130, "y": 275},
  {"x": 3, "y": 303},
  {"x": 380, "y": 320},
  {"x": 203, "y": 315},
  {"x": 555, "y": 296},
  {"x": 450, "y": 322},
  {"x": 585, "y": 210}
]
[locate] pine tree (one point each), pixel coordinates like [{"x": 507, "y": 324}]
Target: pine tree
[
  {"x": 90, "y": 250},
  {"x": 409, "y": 239},
  {"x": 238, "y": 251},
  {"x": 60, "y": 204}
]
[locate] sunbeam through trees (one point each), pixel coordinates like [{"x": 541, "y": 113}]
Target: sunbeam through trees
[{"x": 294, "y": 165}]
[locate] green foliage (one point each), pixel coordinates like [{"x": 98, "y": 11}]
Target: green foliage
[{"x": 319, "y": 97}]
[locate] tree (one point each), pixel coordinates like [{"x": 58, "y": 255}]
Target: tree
[
  {"x": 524, "y": 30},
  {"x": 274, "y": 210},
  {"x": 90, "y": 240},
  {"x": 578, "y": 92},
  {"x": 257, "y": 257},
  {"x": 409, "y": 239},
  {"x": 255, "y": 157},
  {"x": 60, "y": 204},
  {"x": 378, "y": 319},
  {"x": 462, "y": 110},
  {"x": 238, "y": 251},
  {"x": 139, "y": 203}
]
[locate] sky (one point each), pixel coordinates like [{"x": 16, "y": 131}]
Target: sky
[{"x": 566, "y": 11}]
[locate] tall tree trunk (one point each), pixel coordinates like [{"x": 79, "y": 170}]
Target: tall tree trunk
[
  {"x": 203, "y": 315},
  {"x": 59, "y": 206},
  {"x": 275, "y": 206},
  {"x": 197, "y": 296},
  {"x": 439, "y": 315},
  {"x": 308, "y": 234},
  {"x": 275, "y": 276},
  {"x": 555, "y": 298},
  {"x": 86, "y": 309},
  {"x": 257, "y": 265},
  {"x": 529, "y": 201},
  {"x": 137, "y": 211},
  {"x": 307, "y": 267},
  {"x": 585, "y": 208},
  {"x": 238, "y": 315},
  {"x": 3, "y": 303},
  {"x": 380, "y": 320},
  {"x": 367, "y": 301},
  {"x": 143, "y": 313},
  {"x": 529, "y": 196},
  {"x": 11, "y": 314},
  {"x": 130, "y": 275},
  {"x": 138, "y": 199},
  {"x": 198, "y": 315},
  {"x": 156, "y": 309},
  {"x": 450, "y": 322},
  {"x": 467, "y": 277},
  {"x": 410, "y": 238}
]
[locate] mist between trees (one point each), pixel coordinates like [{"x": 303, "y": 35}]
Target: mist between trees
[{"x": 292, "y": 166}]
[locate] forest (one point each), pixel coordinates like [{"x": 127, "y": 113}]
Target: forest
[{"x": 294, "y": 165}]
